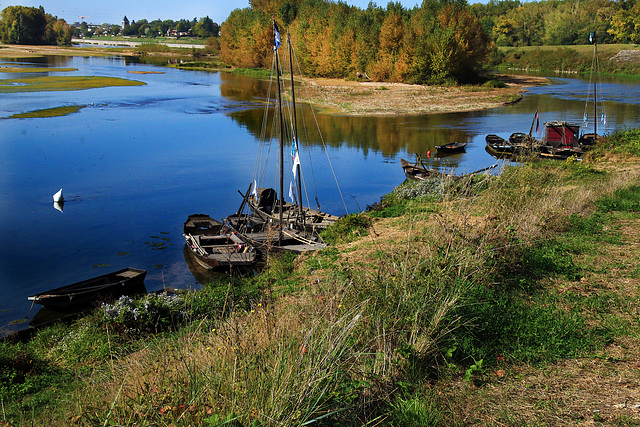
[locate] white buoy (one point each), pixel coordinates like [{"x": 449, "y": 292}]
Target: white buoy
[{"x": 58, "y": 197}]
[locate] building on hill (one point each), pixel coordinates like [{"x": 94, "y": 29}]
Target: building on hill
[{"x": 125, "y": 21}]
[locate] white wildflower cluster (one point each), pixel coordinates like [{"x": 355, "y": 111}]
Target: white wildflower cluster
[
  {"x": 151, "y": 312},
  {"x": 415, "y": 189}
]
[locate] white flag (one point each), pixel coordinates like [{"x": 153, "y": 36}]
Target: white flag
[
  {"x": 254, "y": 192},
  {"x": 292, "y": 192},
  {"x": 296, "y": 163}
]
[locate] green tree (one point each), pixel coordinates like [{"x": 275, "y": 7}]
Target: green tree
[
  {"x": 30, "y": 25},
  {"x": 205, "y": 28},
  {"x": 23, "y": 25}
]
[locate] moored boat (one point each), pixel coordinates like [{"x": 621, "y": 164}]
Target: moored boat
[
  {"x": 421, "y": 173},
  {"x": 273, "y": 224},
  {"x": 88, "y": 292},
  {"x": 451, "y": 147},
  {"x": 215, "y": 245}
]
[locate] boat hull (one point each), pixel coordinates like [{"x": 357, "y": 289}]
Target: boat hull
[
  {"x": 452, "y": 147},
  {"x": 89, "y": 292}
]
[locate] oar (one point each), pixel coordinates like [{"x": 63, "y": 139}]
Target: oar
[{"x": 481, "y": 170}]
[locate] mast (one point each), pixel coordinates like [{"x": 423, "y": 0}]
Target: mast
[
  {"x": 594, "y": 71},
  {"x": 295, "y": 130},
  {"x": 276, "y": 44},
  {"x": 595, "y": 87}
]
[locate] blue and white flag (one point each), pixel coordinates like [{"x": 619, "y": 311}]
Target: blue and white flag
[{"x": 276, "y": 32}]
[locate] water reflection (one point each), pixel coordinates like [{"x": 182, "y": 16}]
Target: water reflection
[{"x": 387, "y": 135}]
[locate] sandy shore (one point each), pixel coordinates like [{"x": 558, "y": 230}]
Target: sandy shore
[{"x": 376, "y": 98}]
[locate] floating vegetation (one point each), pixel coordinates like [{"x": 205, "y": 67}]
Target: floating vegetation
[
  {"x": 100, "y": 265},
  {"x": 62, "y": 83},
  {"x": 48, "y": 112},
  {"x": 124, "y": 253},
  {"x": 160, "y": 243},
  {"x": 35, "y": 70},
  {"x": 146, "y": 72}
]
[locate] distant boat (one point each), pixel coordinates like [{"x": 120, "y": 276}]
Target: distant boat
[
  {"x": 451, "y": 147},
  {"x": 215, "y": 245},
  {"x": 87, "y": 292}
]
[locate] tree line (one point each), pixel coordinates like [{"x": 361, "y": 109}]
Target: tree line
[
  {"x": 441, "y": 41},
  {"x": 435, "y": 42},
  {"x": 31, "y": 25},
  {"x": 559, "y": 22},
  {"x": 203, "y": 27}
]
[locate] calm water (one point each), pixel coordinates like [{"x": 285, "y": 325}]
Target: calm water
[{"x": 136, "y": 161}]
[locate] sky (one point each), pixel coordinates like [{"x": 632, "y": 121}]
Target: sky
[{"x": 112, "y": 11}]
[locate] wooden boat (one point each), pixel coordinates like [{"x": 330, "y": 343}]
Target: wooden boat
[
  {"x": 87, "y": 292},
  {"x": 266, "y": 207},
  {"x": 215, "y": 245},
  {"x": 268, "y": 236},
  {"x": 451, "y": 147},
  {"x": 273, "y": 224},
  {"x": 498, "y": 146},
  {"x": 421, "y": 173}
]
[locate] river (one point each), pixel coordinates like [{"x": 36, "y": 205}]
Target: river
[{"x": 134, "y": 162}]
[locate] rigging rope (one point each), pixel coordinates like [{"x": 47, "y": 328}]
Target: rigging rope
[
  {"x": 594, "y": 77},
  {"x": 324, "y": 145}
]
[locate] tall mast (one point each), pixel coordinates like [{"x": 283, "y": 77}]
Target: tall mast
[
  {"x": 275, "y": 52},
  {"x": 595, "y": 87},
  {"x": 295, "y": 129}
]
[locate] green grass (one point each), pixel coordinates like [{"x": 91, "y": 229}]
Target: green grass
[
  {"x": 565, "y": 59},
  {"x": 48, "y": 112},
  {"x": 253, "y": 72},
  {"x": 35, "y": 70},
  {"x": 49, "y": 83}
]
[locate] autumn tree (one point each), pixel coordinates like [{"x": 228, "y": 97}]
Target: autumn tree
[{"x": 625, "y": 23}]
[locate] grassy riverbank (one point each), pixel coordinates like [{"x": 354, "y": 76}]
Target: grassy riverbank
[
  {"x": 505, "y": 300},
  {"x": 619, "y": 59}
]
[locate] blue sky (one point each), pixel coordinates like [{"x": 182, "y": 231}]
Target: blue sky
[{"x": 112, "y": 11}]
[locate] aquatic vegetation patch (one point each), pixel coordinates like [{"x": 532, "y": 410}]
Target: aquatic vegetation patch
[
  {"x": 146, "y": 72},
  {"x": 62, "y": 83},
  {"x": 35, "y": 70},
  {"x": 48, "y": 112}
]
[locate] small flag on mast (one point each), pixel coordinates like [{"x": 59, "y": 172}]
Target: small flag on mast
[
  {"x": 276, "y": 40},
  {"x": 296, "y": 163}
]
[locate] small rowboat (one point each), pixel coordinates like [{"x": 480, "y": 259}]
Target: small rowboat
[
  {"x": 419, "y": 173},
  {"x": 83, "y": 294},
  {"x": 452, "y": 147},
  {"x": 215, "y": 245}
]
